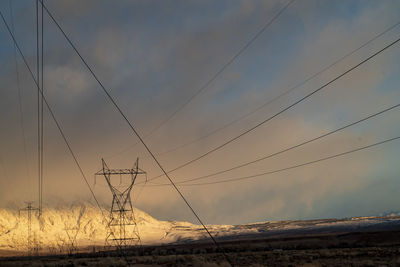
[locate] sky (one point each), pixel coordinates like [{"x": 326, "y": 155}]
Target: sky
[{"x": 153, "y": 56}]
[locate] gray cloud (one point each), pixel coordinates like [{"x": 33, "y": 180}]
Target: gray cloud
[{"x": 153, "y": 56}]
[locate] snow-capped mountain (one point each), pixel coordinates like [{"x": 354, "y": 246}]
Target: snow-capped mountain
[{"x": 86, "y": 226}]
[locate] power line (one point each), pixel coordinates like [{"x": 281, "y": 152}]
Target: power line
[
  {"x": 56, "y": 122},
  {"x": 21, "y": 112},
  {"x": 297, "y": 166},
  {"x": 221, "y": 70},
  {"x": 41, "y": 113},
  {"x": 278, "y": 113},
  {"x": 215, "y": 76},
  {"x": 269, "y": 101},
  {"x": 289, "y": 148},
  {"x": 38, "y": 110},
  {"x": 50, "y": 111},
  {"x": 133, "y": 129},
  {"x": 49, "y": 108}
]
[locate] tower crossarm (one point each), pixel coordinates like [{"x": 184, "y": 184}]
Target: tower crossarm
[{"x": 120, "y": 172}]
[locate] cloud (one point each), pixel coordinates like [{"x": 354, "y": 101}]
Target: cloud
[
  {"x": 153, "y": 57},
  {"x": 291, "y": 194},
  {"x": 67, "y": 81}
]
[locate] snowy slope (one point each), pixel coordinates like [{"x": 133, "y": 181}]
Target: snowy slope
[{"x": 57, "y": 226}]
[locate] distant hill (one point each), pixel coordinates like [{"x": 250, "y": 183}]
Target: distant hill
[{"x": 86, "y": 222}]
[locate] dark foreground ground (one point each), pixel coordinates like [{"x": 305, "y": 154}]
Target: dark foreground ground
[{"x": 380, "y": 248}]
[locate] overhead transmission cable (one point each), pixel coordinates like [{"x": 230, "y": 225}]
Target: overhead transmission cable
[
  {"x": 133, "y": 129},
  {"x": 286, "y": 149},
  {"x": 218, "y": 73},
  {"x": 270, "y": 101},
  {"x": 49, "y": 108},
  {"x": 21, "y": 110},
  {"x": 224, "y": 144},
  {"x": 278, "y": 113},
  {"x": 296, "y": 166},
  {"x": 222, "y": 69},
  {"x": 39, "y": 157},
  {"x": 42, "y": 109},
  {"x": 57, "y": 123}
]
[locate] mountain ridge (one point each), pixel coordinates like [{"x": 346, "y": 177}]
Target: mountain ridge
[{"x": 87, "y": 227}]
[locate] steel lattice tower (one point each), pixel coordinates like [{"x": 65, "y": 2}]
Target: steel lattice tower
[
  {"x": 29, "y": 209},
  {"x": 122, "y": 228}
]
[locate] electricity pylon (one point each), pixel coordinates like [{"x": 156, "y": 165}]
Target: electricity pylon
[
  {"x": 29, "y": 209},
  {"x": 122, "y": 228}
]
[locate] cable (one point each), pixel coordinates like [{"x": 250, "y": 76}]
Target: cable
[
  {"x": 48, "y": 107},
  {"x": 19, "y": 95},
  {"x": 38, "y": 100},
  {"x": 226, "y": 143},
  {"x": 202, "y": 88},
  {"x": 58, "y": 126},
  {"x": 214, "y": 77},
  {"x": 140, "y": 190},
  {"x": 133, "y": 130},
  {"x": 297, "y": 166},
  {"x": 289, "y": 148},
  {"x": 41, "y": 113},
  {"x": 278, "y": 113},
  {"x": 269, "y": 101}
]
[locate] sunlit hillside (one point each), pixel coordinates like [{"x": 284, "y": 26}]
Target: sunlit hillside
[
  {"x": 84, "y": 225},
  {"x": 79, "y": 226}
]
